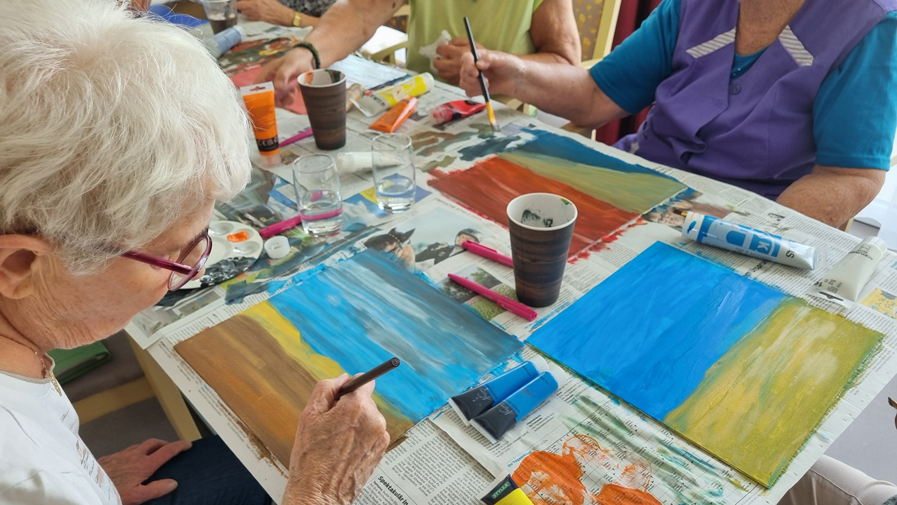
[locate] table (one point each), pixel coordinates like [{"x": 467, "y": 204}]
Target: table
[{"x": 430, "y": 467}]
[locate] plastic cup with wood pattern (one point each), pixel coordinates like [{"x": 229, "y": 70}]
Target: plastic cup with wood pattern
[
  {"x": 324, "y": 94},
  {"x": 541, "y": 226}
]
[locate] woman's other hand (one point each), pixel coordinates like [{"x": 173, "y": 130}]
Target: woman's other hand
[
  {"x": 130, "y": 468},
  {"x": 338, "y": 445},
  {"x": 449, "y": 62}
]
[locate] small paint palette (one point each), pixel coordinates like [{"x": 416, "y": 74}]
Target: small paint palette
[{"x": 235, "y": 248}]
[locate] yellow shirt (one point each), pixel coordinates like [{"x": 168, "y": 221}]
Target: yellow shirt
[{"x": 500, "y": 25}]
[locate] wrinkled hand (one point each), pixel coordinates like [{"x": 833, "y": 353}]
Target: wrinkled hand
[
  {"x": 130, "y": 468},
  {"x": 449, "y": 62},
  {"x": 283, "y": 72},
  {"x": 501, "y": 70},
  {"x": 270, "y": 11},
  {"x": 337, "y": 447}
]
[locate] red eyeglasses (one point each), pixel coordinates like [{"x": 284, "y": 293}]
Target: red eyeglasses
[{"x": 192, "y": 259}]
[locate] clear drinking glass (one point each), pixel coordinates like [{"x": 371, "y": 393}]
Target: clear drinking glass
[
  {"x": 317, "y": 192},
  {"x": 393, "y": 166}
]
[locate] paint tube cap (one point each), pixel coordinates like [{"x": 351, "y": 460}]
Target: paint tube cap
[
  {"x": 560, "y": 376},
  {"x": 277, "y": 247},
  {"x": 540, "y": 363},
  {"x": 877, "y": 242},
  {"x": 441, "y": 114}
]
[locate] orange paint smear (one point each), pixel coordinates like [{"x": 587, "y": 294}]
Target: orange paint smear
[
  {"x": 552, "y": 479},
  {"x": 488, "y": 187}
]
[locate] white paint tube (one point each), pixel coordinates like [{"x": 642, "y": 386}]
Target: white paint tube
[
  {"x": 748, "y": 241},
  {"x": 852, "y": 273},
  {"x": 350, "y": 163}
]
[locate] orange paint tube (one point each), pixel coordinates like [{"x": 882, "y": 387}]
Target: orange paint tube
[
  {"x": 394, "y": 117},
  {"x": 259, "y": 99}
]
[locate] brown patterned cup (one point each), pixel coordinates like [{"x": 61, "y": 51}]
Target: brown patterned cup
[
  {"x": 541, "y": 226},
  {"x": 324, "y": 94}
]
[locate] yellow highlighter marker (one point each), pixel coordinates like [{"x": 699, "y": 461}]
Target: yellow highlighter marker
[{"x": 476, "y": 58}]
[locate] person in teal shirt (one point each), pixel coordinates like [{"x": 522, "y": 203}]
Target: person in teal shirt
[
  {"x": 789, "y": 99},
  {"x": 632, "y": 72}
]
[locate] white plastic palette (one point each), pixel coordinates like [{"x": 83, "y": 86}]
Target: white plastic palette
[{"x": 228, "y": 259}]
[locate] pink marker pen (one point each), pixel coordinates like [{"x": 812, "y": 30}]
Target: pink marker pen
[{"x": 488, "y": 253}]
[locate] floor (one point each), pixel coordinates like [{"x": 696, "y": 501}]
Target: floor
[
  {"x": 869, "y": 444},
  {"x": 144, "y": 420}
]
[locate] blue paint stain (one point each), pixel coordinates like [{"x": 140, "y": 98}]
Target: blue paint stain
[
  {"x": 490, "y": 145},
  {"x": 650, "y": 332},
  {"x": 549, "y": 144},
  {"x": 367, "y": 309}
]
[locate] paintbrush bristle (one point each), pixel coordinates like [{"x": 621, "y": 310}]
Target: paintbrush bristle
[{"x": 491, "y": 113}]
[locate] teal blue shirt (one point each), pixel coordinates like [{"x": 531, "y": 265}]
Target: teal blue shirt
[{"x": 855, "y": 114}]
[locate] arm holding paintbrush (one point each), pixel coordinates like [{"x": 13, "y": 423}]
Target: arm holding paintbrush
[
  {"x": 561, "y": 89},
  {"x": 338, "y": 445}
]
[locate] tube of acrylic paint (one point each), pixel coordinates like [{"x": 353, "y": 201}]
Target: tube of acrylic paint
[
  {"x": 507, "y": 492},
  {"x": 475, "y": 401},
  {"x": 357, "y": 162},
  {"x": 259, "y": 100},
  {"x": 852, "y": 273},
  {"x": 224, "y": 40},
  {"x": 394, "y": 117},
  {"x": 495, "y": 422},
  {"x": 748, "y": 241},
  {"x": 455, "y": 109},
  {"x": 378, "y": 101}
]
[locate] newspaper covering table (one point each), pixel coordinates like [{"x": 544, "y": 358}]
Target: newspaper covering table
[{"x": 441, "y": 462}]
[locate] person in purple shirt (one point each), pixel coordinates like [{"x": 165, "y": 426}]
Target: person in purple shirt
[{"x": 790, "y": 99}]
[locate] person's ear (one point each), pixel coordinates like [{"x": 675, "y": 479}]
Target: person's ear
[{"x": 18, "y": 263}]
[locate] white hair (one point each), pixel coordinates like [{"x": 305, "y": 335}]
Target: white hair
[{"x": 112, "y": 127}]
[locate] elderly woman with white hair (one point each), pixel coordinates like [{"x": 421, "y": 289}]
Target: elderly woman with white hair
[{"x": 117, "y": 134}]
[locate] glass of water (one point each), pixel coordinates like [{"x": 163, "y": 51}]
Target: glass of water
[
  {"x": 393, "y": 166},
  {"x": 317, "y": 192}
]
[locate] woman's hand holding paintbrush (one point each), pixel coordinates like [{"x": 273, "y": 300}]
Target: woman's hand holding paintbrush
[
  {"x": 499, "y": 70},
  {"x": 338, "y": 445},
  {"x": 480, "y": 77}
]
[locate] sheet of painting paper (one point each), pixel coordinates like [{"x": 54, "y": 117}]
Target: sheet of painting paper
[
  {"x": 491, "y": 184},
  {"x": 742, "y": 370},
  {"x": 348, "y": 318},
  {"x": 607, "y": 192},
  {"x": 632, "y": 188}
]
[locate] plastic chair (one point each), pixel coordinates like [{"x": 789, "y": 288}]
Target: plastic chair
[{"x": 389, "y": 39}]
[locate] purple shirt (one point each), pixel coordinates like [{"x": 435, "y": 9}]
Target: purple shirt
[{"x": 755, "y": 131}]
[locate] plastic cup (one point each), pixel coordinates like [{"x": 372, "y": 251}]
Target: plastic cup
[
  {"x": 222, "y": 14},
  {"x": 541, "y": 226}
]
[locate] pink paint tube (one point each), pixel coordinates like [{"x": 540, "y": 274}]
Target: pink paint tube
[{"x": 453, "y": 110}]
